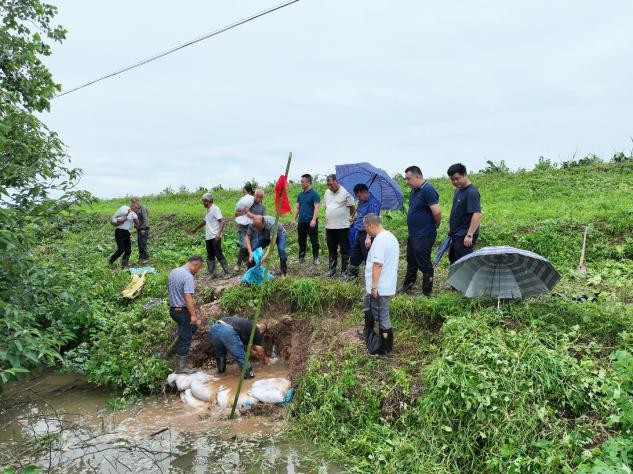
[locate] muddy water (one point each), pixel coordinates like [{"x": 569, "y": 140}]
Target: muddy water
[{"x": 63, "y": 423}]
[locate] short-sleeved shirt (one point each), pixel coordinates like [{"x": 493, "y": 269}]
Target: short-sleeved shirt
[
  {"x": 336, "y": 208},
  {"x": 212, "y": 218},
  {"x": 244, "y": 204},
  {"x": 179, "y": 282},
  {"x": 420, "y": 219},
  {"x": 386, "y": 250},
  {"x": 466, "y": 201},
  {"x": 243, "y": 327},
  {"x": 128, "y": 223},
  {"x": 371, "y": 206},
  {"x": 307, "y": 200},
  {"x": 265, "y": 233}
]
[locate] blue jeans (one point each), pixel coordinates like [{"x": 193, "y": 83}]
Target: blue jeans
[
  {"x": 281, "y": 245},
  {"x": 186, "y": 330},
  {"x": 226, "y": 339}
]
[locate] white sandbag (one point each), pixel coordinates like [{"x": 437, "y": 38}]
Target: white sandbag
[
  {"x": 183, "y": 381},
  {"x": 225, "y": 398},
  {"x": 272, "y": 390},
  {"x": 205, "y": 389},
  {"x": 188, "y": 398}
]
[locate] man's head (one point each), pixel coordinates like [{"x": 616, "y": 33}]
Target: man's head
[
  {"x": 306, "y": 181},
  {"x": 413, "y": 177},
  {"x": 332, "y": 183},
  {"x": 372, "y": 224},
  {"x": 207, "y": 200},
  {"x": 135, "y": 203},
  {"x": 458, "y": 175},
  {"x": 258, "y": 222},
  {"x": 194, "y": 263},
  {"x": 248, "y": 189},
  {"x": 259, "y": 195},
  {"x": 262, "y": 328},
  {"x": 361, "y": 191}
]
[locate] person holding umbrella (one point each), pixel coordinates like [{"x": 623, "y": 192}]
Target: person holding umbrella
[
  {"x": 359, "y": 240},
  {"x": 463, "y": 224},
  {"x": 423, "y": 218}
]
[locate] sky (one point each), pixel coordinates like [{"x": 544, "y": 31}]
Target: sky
[{"x": 394, "y": 83}]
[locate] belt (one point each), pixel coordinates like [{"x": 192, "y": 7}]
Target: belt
[{"x": 178, "y": 308}]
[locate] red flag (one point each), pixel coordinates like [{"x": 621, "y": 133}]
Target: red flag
[{"x": 281, "y": 193}]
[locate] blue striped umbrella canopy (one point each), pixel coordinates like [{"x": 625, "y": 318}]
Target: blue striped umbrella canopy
[
  {"x": 503, "y": 272},
  {"x": 380, "y": 184}
]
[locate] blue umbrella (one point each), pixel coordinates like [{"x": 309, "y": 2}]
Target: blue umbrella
[
  {"x": 442, "y": 250},
  {"x": 380, "y": 184}
]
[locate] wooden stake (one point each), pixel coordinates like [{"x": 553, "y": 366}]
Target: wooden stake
[{"x": 581, "y": 265}]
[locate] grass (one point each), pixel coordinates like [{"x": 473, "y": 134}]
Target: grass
[{"x": 542, "y": 385}]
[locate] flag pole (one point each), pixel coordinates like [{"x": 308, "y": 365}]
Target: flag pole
[{"x": 258, "y": 310}]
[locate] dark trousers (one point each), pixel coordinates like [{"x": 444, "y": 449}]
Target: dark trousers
[
  {"x": 419, "y": 255},
  {"x": 358, "y": 252},
  {"x": 123, "y": 245},
  {"x": 214, "y": 249},
  {"x": 186, "y": 330},
  {"x": 304, "y": 230},
  {"x": 142, "y": 239},
  {"x": 457, "y": 249},
  {"x": 337, "y": 238}
]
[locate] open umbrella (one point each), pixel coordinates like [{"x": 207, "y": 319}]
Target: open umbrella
[
  {"x": 442, "y": 250},
  {"x": 380, "y": 184},
  {"x": 503, "y": 272}
]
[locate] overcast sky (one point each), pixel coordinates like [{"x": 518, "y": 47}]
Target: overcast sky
[{"x": 391, "y": 82}]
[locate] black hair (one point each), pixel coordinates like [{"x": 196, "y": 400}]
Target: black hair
[
  {"x": 456, "y": 168},
  {"x": 414, "y": 170},
  {"x": 308, "y": 177},
  {"x": 248, "y": 187},
  {"x": 331, "y": 177},
  {"x": 195, "y": 259},
  {"x": 360, "y": 187}
]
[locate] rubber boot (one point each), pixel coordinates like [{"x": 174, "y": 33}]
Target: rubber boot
[
  {"x": 249, "y": 374},
  {"x": 125, "y": 263},
  {"x": 225, "y": 267},
  {"x": 331, "y": 267},
  {"x": 211, "y": 268},
  {"x": 181, "y": 365},
  {"x": 409, "y": 280},
  {"x": 172, "y": 349},
  {"x": 220, "y": 362},
  {"x": 283, "y": 267},
  {"x": 386, "y": 338},
  {"x": 352, "y": 273},
  {"x": 241, "y": 256},
  {"x": 427, "y": 284},
  {"x": 344, "y": 265}
]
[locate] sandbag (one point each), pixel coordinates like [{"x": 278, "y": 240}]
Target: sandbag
[
  {"x": 188, "y": 398},
  {"x": 272, "y": 390},
  {"x": 182, "y": 382},
  {"x": 205, "y": 390},
  {"x": 225, "y": 398}
]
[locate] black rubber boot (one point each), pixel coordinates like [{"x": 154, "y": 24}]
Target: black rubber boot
[
  {"x": 344, "y": 264},
  {"x": 225, "y": 267},
  {"x": 220, "y": 362},
  {"x": 427, "y": 284},
  {"x": 331, "y": 267},
  {"x": 211, "y": 268},
  {"x": 409, "y": 280},
  {"x": 386, "y": 338},
  {"x": 283, "y": 267},
  {"x": 181, "y": 365},
  {"x": 352, "y": 273},
  {"x": 249, "y": 374},
  {"x": 125, "y": 263}
]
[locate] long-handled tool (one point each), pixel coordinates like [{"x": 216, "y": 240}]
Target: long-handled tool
[{"x": 581, "y": 265}]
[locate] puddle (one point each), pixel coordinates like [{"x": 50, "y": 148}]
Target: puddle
[{"x": 62, "y": 423}]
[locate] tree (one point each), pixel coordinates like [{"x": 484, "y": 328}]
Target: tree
[{"x": 33, "y": 165}]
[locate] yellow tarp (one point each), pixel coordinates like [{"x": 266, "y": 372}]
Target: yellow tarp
[{"x": 133, "y": 289}]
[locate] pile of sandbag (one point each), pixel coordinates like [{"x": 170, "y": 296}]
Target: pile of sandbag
[{"x": 202, "y": 390}]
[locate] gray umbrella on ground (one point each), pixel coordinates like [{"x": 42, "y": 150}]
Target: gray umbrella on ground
[{"x": 503, "y": 272}]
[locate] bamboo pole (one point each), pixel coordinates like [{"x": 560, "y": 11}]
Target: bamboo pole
[{"x": 258, "y": 310}]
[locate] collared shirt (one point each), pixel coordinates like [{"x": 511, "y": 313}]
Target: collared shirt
[
  {"x": 420, "y": 220},
  {"x": 307, "y": 200},
  {"x": 337, "y": 208},
  {"x": 265, "y": 233},
  {"x": 212, "y": 218},
  {"x": 386, "y": 250},
  {"x": 129, "y": 221},
  {"x": 244, "y": 204},
  {"x": 371, "y": 206},
  {"x": 466, "y": 201},
  {"x": 179, "y": 282}
]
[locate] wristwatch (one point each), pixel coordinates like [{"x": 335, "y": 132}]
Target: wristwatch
[{"x": 470, "y": 236}]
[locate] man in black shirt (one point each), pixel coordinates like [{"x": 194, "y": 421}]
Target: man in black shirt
[
  {"x": 230, "y": 334},
  {"x": 463, "y": 226}
]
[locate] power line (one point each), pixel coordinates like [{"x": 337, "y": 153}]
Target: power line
[{"x": 182, "y": 46}]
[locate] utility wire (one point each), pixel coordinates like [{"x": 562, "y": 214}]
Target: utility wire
[{"x": 182, "y": 46}]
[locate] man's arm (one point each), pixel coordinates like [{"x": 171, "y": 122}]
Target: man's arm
[
  {"x": 260, "y": 353},
  {"x": 198, "y": 227},
  {"x": 192, "y": 309},
  {"x": 472, "y": 228},
  {"x": 352, "y": 210},
  {"x": 221, "y": 229},
  {"x": 437, "y": 214},
  {"x": 315, "y": 214},
  {"x": 376, "y": 269},
  {"x": 247, "y": 246}
]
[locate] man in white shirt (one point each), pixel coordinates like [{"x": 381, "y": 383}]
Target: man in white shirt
[
  {"x": 213, "y": 224},
  {"x": 124, "y": 219},
  {"x": 339, "y": 207},
  {"x": 381, "y": 276}
]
